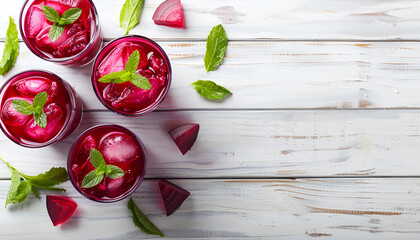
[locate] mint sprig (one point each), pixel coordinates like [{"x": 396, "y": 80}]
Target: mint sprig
[
  {"x": 215, "y": 48},
  {"x": 22, "y": 184},
  {"x": 35, "y": 108},
  {"x": 129, "y": 74},
  {"x": 142, "y": 221},
  {"x": 11, "y": 48},
  {"x": 130, "y": 14},
  {"x": 68, "y": 17},
  {"x": 96, "y": 176},
  {"x": 210, "y": 90}
]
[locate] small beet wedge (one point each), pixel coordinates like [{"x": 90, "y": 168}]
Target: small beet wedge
[
  {"x": 172, "y": 196},
  {"x": 170, "y": 14},
  {"x": 60, "y": 208},
  {"x": 184, "y": 136}
]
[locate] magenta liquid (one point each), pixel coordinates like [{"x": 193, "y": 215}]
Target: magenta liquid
[
  {"x": 126, "y": 98},
  {"x": 120, "y": 147},
  {"x": 63, "y": 109},
  {"x": 78, "y": 44}
]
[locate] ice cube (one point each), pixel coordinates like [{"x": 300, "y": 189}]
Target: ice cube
[
  {"x": 35, "y": 21},
  {"x": 88, "y": 143},
  {"x": 157, "y": 64},
  {"x": 10, "y": 116},
  {"x": 113, "y": 91},
  {"x": 73, "y": 45},
  {"x": 55, "y": 120},
  {"x": 43, "y": 42},
  {"x": 118, "y": 148},
  {"x": 135, "y": 98},
  {"x": 30, "y": 87},
  {"x": 117, "y": 58},
  {"x": 117, "y": 187}
]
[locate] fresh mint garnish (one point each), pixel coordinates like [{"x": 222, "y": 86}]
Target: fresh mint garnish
[
  {"x": 35, "y": 108},
  {"x": 210, "y": 90},
  {"x": 68, "y": 17},
  {"x": 129, "y": 74},
  {"x": 142, "y": 221},
  {"x": 11, "y": 48},
  {"x": 101, "y": 169},
  {"x": 23, "y": 184},
  {"x": 216, "y": 47},
  {"x": 130, "y": 14}
]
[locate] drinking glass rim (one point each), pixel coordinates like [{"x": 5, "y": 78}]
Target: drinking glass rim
[
  {"x": 151, "y": 107},
  {"x": 72, "y": 114},
  {"x": 59, "y": 60},
  {"x": 134, "y": 187}
]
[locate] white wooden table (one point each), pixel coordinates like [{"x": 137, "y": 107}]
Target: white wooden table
[{"x": 321, "y": 138}]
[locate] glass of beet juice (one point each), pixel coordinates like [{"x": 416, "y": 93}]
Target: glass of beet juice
[
  {"x": 63, "y": 109},
  {"x": 119, "y": 147},
  {"x": 79, "y": 42},
  {"x": 126, "y": 98}
]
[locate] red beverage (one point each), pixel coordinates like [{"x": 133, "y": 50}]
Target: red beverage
[
  {"x": 63, "y": 109},
  {"x": 125, "y": 98},
  {"x": 120, "y": 147},
  {"x": 77, "y": 45}
]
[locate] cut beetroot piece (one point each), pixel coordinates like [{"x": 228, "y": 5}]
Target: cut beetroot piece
[
  {"x": 60, "y": 208},
  {"x": 170, "y": 14},
  {"x": 172, "y": 196},
  {"x": 184, "y": 136}
]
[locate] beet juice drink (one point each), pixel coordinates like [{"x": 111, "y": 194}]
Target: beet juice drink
[
  {"x": 131, "y": 75},
  {"x": 62, "y": 31},
  {"x": 38, "y": 108},
  {"x": 107, "y": 163}
]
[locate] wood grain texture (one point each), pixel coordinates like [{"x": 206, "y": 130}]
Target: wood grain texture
[
  {"x": 257, "y": 144},
  {"x": 268, "y": 75},
  {"x": 226, "y": 209},
  {"x": 270, "y": 19}
]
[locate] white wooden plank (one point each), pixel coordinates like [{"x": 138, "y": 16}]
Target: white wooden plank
[
  {"x": 257, "y": 144},
  {"x": 278, "y": 75},
  {"x": 226, "y": 209},
  {"x": 269, "y": 19}
]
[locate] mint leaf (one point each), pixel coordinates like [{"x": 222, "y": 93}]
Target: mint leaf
[
  {"x": 114, "y": 77},
  {"x": 38, "y": 104},
  {"x": 68, "y": 17},
  {"x": 210, "y": 90},
  {"x": 39, "y": 101},
  {"x": 71, "y": 15},
  {"x": 92, "y": 179},
  {"x": 19, "y": 189},
  {"x": 130, "y": 14},
  {"x": 140, "y": 81},
  {"x": 141, "y": 220},
  {"x": 22, "y": 184},
  {"x": 11, "y": 48},
  {"x": 129, "y": 74},
  {"x": 96, "y": 158},
  {"x": 50, "y": 178},
  {"x": 55, "y": 32},
  {"x": 40, "y": 119},
  {"x": 133, "y": 62},
  {"x": 23, "y": 107},
  {"x": 114, "y": 172},
  {"x": 215, "y": 49},
  {"x": 51, "y": 14}
]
